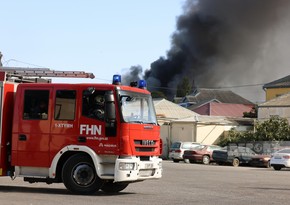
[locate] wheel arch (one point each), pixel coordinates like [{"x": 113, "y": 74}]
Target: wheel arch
[{"x": 65, "y": 153}]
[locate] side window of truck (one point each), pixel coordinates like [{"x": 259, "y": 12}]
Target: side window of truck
[
  {"x": 36, "y": 104},
  {"x": 94, "y": 104},
  {"x": 65, "y": 105}
]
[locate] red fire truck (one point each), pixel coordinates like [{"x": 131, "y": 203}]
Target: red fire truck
[{"x": 88, "y": 136}]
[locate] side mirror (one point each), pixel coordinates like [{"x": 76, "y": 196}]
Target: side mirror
[{"x": 110, "y": 113}]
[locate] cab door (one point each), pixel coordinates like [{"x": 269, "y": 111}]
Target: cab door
[
  {"x": 64, "y": 124},
  {"x": 33, "y": 137}
]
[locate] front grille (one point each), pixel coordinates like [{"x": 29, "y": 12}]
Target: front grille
[
  {"x": 144, "y": 149},
  {"x": 145, "y": 145},
  {"x": 144, "y": 158}
]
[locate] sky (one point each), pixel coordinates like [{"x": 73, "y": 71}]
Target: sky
[
  {"x": 238, "y": 45},
  {"x": 102, "y": 37}
]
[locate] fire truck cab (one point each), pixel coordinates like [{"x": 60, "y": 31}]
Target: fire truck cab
[{"x": 87, "y": 136}]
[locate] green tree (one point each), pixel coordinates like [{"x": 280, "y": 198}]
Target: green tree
[
  {"x": 273, "y": 129},
  {"x": 184, "y": 87},
  {"x": 252, "y": 113},
  {"x": 158, "y": 94}
]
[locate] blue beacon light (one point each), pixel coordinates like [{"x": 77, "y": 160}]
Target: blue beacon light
[
  {"x": 116, "y": 79},
  {"x": 142, "y": 84}
]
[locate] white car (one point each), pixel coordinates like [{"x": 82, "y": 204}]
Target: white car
[
  {"x": 177, "y": 149},
  {"x": 280, "y": 159}
]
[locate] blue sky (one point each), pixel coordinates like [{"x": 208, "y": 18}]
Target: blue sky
[{"x": 103, "y": 37}]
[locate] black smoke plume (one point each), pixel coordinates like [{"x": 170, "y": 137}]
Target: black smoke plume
[{"x": 225, "y": 43}]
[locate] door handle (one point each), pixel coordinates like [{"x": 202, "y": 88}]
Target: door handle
[{"x": 22, "y": 137}]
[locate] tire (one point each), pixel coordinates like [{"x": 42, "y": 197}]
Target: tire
[
  {"x": 236, "y": 162},
  {"x": 176, "y": 160},
  {"x": 205, "y": 159},
  {"x": 110, "y": 187},
  {"x": 277, "y": 168},
  {"x": 79, "y": 175},
  {"x": 268, "y": 165},
  {"x": 191, "y": 161}
]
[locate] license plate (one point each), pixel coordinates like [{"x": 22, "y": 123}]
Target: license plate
[
  {"x": 148, "y": 166},
  {"x": 277, "y": 157}
]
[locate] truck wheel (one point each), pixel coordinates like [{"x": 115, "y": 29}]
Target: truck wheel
[
  {"x": 79, "y": 175},
  {"x": 205, "y": 159},
  {"x": 110, "y": 187},
  {"x": 236, "y": 162}
]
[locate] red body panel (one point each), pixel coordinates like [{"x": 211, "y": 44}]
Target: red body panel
[
  {"x": 45, "y": 138},
  {"x": 7, "y": 113}
]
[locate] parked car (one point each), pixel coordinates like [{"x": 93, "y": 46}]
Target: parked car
[
  {"x": 260, "y": 161},
  {"x": 236, "y": 155},
  {"x": 177, "y": 149},
  {"x": 201, "y": 153},
  {"x": 280, "y": 159}
]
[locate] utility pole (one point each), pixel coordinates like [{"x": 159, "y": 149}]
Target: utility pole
[{"x": 0, "y": 59}]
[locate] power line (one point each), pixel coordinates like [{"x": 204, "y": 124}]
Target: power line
[
  {"x": 8, "y": 61},
  {"x": 156, "y": 87},
  {"x": 218, "y": 87}
]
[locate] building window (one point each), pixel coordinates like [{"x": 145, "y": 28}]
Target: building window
[
  {"x": 36, "y": 104},
  {"x": 65, "y": 105}
]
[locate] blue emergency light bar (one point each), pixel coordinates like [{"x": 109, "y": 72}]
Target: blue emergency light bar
[
  {"x": 116, "y": 79},
  {"x": 142, "y": 84}
]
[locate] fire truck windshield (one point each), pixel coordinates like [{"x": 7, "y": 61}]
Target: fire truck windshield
[{"x": 137, "y": 108}]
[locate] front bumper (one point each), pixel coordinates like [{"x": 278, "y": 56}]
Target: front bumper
[{"x": 133, "y": 169}]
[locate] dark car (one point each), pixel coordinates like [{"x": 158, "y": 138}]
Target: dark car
[
  {"x": 202, "y": 153},
  {"x": 236, "y": 155}
]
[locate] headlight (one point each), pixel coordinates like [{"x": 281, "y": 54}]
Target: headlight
[{"x": 126, "y": 166}]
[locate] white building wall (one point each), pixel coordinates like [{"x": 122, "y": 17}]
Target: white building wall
[
  {"x": 208, "y": 134},
  {"x": 265, "y": 113},
  {"x": 182, "y": 131},
  {"x": 165, "y": 136}
]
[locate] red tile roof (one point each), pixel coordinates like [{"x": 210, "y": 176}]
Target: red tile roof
[{"x": 223, "y": 109}]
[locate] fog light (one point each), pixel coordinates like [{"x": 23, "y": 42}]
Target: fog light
[{"x": 126, "y": 166}]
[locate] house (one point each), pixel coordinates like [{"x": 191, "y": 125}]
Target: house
[
  {"x": 180, "y": 124},
  {"x": 213, "y": 108},
  {"x": 216, "y": 102},
  {"x": 277, "y": 88},
  {"x": 168, "y": 111},
  {"x": 279, "y": 106}
]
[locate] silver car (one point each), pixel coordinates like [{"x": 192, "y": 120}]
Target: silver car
[
  {"x": 177, "y": 149},
  {"x": 280, "y": 159}
]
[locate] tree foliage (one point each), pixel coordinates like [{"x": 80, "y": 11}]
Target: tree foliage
[
  {"x": 184, "y": 87},
  {"x": 252, "y": 114},
  {"x": 158, "y": 94},
  {"x": 273, "y": 129}
]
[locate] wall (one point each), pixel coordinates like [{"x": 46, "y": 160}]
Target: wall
[
  {"x": 183, "y": 131},
  {"x": 165, "y": 136},
  {"x": 208, "y": 134},
  {"x": 275, "y": 92},
  {"x": 203, "y": 110},
  {"x": 265, "y": 113}
]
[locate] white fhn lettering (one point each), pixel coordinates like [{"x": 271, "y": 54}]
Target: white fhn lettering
[{"x": 90, "y": 129}]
